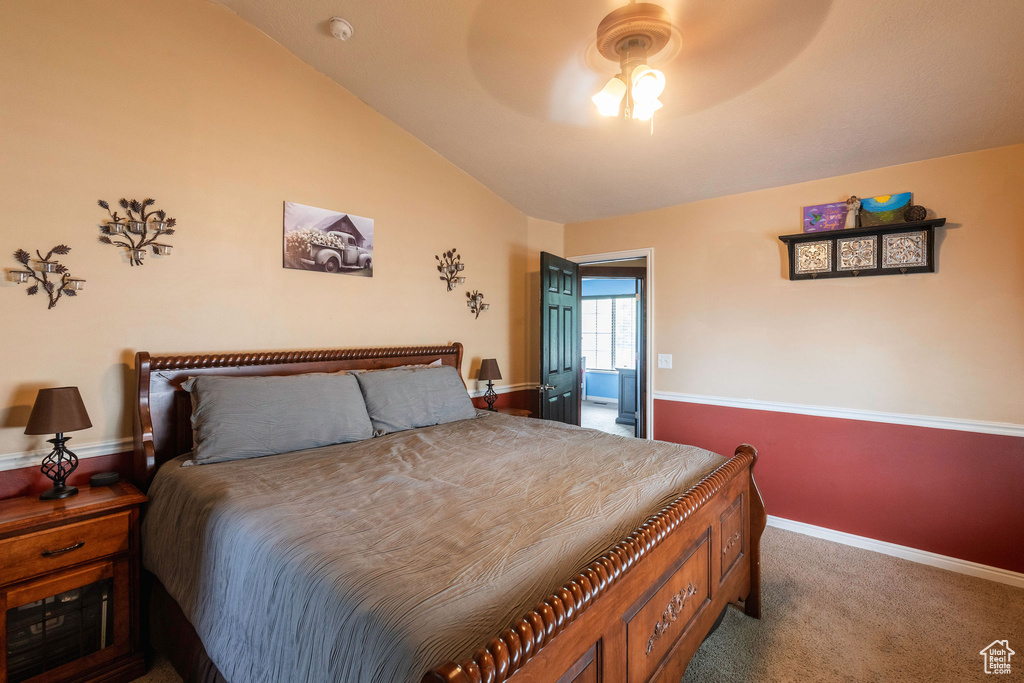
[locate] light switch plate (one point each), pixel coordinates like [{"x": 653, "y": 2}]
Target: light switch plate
[{"x": 665, "y": 361}]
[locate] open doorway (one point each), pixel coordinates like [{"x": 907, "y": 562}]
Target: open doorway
[
  {"x": 613, "y": 330},
  {"x": 561, "y": 371}
]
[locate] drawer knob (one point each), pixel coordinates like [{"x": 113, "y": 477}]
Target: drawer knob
[{"x": 61, "y": 551}]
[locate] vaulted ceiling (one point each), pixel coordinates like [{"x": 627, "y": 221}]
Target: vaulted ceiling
[{"x": 760, "y": 92}]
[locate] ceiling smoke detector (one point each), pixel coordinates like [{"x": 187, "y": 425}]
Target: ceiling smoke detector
[{"x": 341, "y": 29}]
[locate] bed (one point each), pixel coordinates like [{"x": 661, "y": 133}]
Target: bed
[{"x": 543, "y": 552}]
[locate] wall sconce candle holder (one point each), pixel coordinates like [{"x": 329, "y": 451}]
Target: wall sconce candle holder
[
  {"x": 476, "y": 303},
  {"x": 137, "y": 229},
  {"x": 66, "y": 286},
  {"x": 450, "y": 266}
]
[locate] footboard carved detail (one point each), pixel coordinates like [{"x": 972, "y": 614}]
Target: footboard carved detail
[
  {"x": 733, "y": 540},
  {"x": 514, "y": 647},
  {"x": 672, "y": 610}
]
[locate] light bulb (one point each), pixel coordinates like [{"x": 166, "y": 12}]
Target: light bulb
[
  {"x": 644, "y": 111},
  {"x": 610, "y": 97},
  {"x": 648, "y": 83}
]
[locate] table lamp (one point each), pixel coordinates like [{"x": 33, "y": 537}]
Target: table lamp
[
  {"x": 57, "y": 411},
  {"x": 490, "y": 372}
]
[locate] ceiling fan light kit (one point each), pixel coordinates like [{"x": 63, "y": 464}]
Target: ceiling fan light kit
[
  {"x": 630, "y": 35},
  {"x": 648, "y": 83},
  {"x": 609, "y": 99}
]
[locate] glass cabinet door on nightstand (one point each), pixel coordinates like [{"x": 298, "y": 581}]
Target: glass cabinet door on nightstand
[{"x": 76, "y": 619}]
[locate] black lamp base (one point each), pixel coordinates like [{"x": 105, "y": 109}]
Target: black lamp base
[
  {"x": 58, "y": 492},
  {"x": 58, "y": 466},
  {"x": 490, "y": 396}
]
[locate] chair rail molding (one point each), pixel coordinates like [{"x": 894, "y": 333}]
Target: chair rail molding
[
  {"x": 932, "y": 422},
  {"x": 502, "y": 388},
  {"x": 33, "y": 458}
]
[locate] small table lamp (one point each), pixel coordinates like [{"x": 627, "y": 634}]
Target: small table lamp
[
  {"x": 490, "y": 372},
  {"x": 57, "y": 411}
]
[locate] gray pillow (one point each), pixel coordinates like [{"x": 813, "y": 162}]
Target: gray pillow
[
  {"x": 408, "y": 398},
  {"x": 234, "y": 418}
]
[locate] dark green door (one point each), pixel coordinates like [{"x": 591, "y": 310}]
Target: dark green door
[{"x": 560, "y": 340}]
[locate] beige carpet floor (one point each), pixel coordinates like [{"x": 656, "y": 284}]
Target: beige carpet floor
[
  {"x": 835, "y": 613},
  {"x": 601, "y": 416},
  {"x": 160, "y": 671}
]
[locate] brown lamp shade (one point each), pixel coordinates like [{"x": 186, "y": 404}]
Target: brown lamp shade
[
  {"x": 489, "y": 369},
  {"x": 56, "y": 411}
]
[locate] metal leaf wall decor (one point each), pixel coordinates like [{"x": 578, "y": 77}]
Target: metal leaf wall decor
[
  {"x": 45, "y": 267},
  {"x": 139, "y": 228},
  {"x": 450, "y": 265},
  {"x": 476, "y": 303}
]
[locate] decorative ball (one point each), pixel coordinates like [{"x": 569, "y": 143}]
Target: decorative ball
[{"x": 915, "y": 213}]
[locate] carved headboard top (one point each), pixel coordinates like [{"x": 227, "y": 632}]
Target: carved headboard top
[{"x": 161, "y": 418}]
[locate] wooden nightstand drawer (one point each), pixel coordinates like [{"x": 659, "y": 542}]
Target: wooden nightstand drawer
[
  {"x": 36, "y": 553},
  {"x": 69, "y": 587}
]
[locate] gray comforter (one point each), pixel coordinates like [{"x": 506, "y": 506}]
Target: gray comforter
[{"x": 374, "y": 561}]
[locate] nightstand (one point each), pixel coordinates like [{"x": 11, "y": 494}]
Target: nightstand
[
  {"x": 518, "y": 412},
  {"x": 69, "y": 587}
]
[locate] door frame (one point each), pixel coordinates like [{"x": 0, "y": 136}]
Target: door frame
[{"x": 647, "y": 253}]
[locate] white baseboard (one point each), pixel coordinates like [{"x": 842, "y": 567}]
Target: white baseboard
[
  {"x": 14, "y": 461},
  {"x": 957, "y": 424},
  {"x": 952, "y": 564}
]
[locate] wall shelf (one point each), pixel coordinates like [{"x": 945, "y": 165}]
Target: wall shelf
[{"x": 892, "y": 249}]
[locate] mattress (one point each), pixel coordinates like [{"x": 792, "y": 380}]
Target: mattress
[{"x": 374, "y": 561}]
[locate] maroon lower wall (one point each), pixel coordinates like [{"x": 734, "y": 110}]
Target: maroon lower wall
[
  {"x": 29, "y": 481},
  {"x": 523, "y": 398},
  {"x": 959, "y": 494}
]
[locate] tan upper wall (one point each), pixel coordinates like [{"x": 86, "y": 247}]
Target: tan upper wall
[
  {"x": 947, "y": 344},
  {"x": 183, "y": 101}
]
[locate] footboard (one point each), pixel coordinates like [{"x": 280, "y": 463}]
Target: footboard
[{"x": 638, "y": 613}]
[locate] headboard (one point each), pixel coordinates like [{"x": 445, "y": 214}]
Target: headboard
[{"x": 162, "y": 425}]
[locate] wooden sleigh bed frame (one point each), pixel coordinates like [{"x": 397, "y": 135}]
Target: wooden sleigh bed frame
[{"x": 636, "y": 614}]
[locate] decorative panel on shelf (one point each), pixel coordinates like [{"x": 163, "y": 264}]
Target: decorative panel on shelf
[{"x": 893, "y": 249}]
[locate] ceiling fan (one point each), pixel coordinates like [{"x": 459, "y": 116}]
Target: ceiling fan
[{"x": 629, "y": 36}]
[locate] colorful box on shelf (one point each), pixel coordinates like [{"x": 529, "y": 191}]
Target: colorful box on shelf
[{"x": 821, "y": 217}]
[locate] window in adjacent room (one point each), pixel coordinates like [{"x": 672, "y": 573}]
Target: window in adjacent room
[{"x": 609, "y": 332}]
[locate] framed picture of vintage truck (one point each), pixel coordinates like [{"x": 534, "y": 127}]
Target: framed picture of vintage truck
[{"x": 327, "y": 241}]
